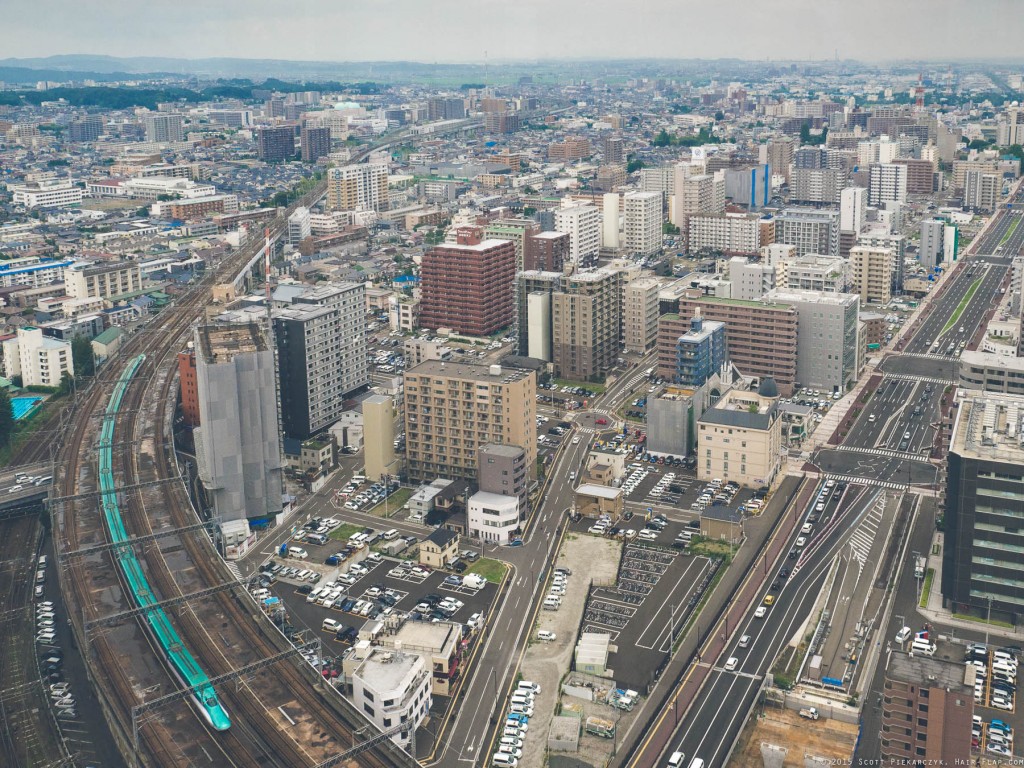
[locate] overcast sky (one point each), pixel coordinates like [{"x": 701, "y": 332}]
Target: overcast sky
[{"x": 467, "y": 30}]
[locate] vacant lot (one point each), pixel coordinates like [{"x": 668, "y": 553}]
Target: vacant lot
[{"x": 829, "y": 739}]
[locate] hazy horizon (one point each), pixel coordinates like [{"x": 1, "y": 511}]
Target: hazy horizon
[{"x": 461, "y": 32}]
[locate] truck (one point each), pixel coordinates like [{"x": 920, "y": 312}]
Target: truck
[
  {"x": 600, "y": 727},
  {"x": 811, "y": 713},
  {"x": 919, "y": 567}
]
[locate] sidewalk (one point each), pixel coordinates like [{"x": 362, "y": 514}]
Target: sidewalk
[
  {"x": 822, "y": 436},
  {"x": 937, "y": 614}
]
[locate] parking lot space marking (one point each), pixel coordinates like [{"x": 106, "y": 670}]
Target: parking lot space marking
[
  {"x": 661, "y": 624},
  {"x": 602, "y": 630}
]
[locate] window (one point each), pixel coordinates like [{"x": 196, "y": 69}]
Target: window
[
  {"x": 368, "y": 709},
  {"x": 368, "y": 695}
]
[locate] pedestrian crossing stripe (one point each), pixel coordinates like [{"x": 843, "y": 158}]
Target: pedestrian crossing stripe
[
  {"x": 883, "y": 452},
  {"x": 868, "y": 481},
  {"x": 233, "y": 567},
  {"x": 909, "y": 377}
]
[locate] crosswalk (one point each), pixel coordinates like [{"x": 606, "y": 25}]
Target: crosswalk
[
  {"x": 868, "y": 481},
  {"x": 233, "y": 567},
  {"x": 883, "y": 452},
  {"x": 925, "y": 355},
  {"x": 915, "y": 379}
]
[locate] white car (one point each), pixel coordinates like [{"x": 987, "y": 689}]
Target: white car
[
  {"x": 647, "y": 534},
  {"x": 546, "y": 634},
  {"x": 731, "y": 663},
  {"x": 761, "y": 612}
]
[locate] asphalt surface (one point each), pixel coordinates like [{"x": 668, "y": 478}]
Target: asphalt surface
[{"x": 712, "y": 726}]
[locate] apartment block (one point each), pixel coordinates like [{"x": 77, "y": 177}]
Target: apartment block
[
  {"x": 39, "y": 360},
  {"x": 695, "y": 193},
  {"x": 451, "y": 409},
  {"x": 809, "y": 229},
  {"x": 734, "y": 234},
  {"x": 920, "y": 175},
  {"x": 739, "y": 438},
  {"x": 546, "y": 251},
  {"x": 887, "y": 183},
  {"x": 392, "y": 688},
  {"x": 103, "y": 280},
  {"x": 640, "y": 314},
  {"x": 927, "y": 711},
  {"x": 583, "y": 225},
  {"x": 358, "y": 187},
  {"x": 818, "y": 273},
  {"x": 750, "y": 186},
  {"x": 468, "y": 288},
  {"x": 817, "y": 185},
  {"x": 238, "y": 444},
  {"x": 761, "y": 336},
  {"x": 872, "y": 273},
  {"x": 569, "y": 150},
  {"x": 321, "y": 353},
  {"x": 750, "y": 279},
  {"x": 516, "y": 231},
  {"x": 315, "y": 143},
  {"x": 163, "y": 128},
  {"x": 826, "y": 356},
  {"x": 982, "y": 191},
  {"x": 275, "y": 144},
  {"x": 700, "y": 353},
  {"x": 533, "y": 312},
  {"x": 643, "y": 223},
  {"x": 586, "y": 317}
]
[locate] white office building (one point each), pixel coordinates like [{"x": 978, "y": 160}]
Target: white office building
[
  {"x": 392, "y": 688},
  {"x": 299, "y": 225},
  {"x": 51, "y": 193},
  {"x": 493, "y": 517}
]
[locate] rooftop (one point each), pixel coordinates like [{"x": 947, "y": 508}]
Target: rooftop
[
  {"x": 925, "y": 671},
  {"x": 988, "y": 427},
  {"x": 599, "y": 491},
  {"x": 221, "y": 343},
  {"x": 468, "y": 372},
  {"x": 388, "y": 670},
  {"x": 800, "y": 296}
]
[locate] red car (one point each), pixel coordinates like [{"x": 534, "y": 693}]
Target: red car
[{"x": 601, "y": 422}]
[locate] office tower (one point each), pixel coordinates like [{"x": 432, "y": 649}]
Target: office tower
[
  {"x": 533, "y": 312},
  {"x": 695, "y": 194},
  {"x": 610, "y": 220},
  {"x": 299, "y": 226},
  {"x": 546, "y": 251},
  {"x": 321, "y": 353},
  {"x": 162, "y": 128},
  {"x": 872, "y": 273},
  {"x": 780, "y": 155},
  {"x": 751, "y": 186},
  {"x": 586, "y": 318},
  {"x": 933, "y": 237},
  {"x": 810, "y": 230},
  {"x": 643, "y": 223},
  {"x": 358, "y": 187},
  {"x": 238, "y": 444},
  {"x": 927, "y": 711},
  {"x": 700, "y": 353},
  {"x": 852, "y": 209},
  {"x": 750, "y": 279},
  {"x": 981, "y": 572},
  {"x": 451, "y": 409},
  {"x": 761, "y": 336},
  {"x": 739, "y": 437},
  {"x": 468, "y": 288},
  {"x": 275, "y": 144},
  {"x": 613, "y": 149},
  {"x": 826, "y": 350},
  {"x": 640, "y": 314},
  {"x": 316, "y": 143},
  {"x": 517, "y": 231},
  {"x": 888, "y": 183},
  {"x": 730, "y": 233},
  {"x": 88, "y": 128},
  {"x": 583, "y": 225}
]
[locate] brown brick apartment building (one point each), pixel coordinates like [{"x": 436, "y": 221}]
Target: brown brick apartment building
[{"x": 468, "y": 287}]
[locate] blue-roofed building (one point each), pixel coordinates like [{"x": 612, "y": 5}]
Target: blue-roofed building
[
  {"x": 700, "y": 352},
  {"x": 32, "y": 272}
]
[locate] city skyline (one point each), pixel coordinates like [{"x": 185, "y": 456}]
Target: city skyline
[{"x": 402, "y": 30}]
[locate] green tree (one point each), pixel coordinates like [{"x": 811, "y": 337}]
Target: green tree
[
  {"x": 6, "y": 418},
  {"x": 66, "y": 383},
  {"x": 978, "y": 144},
  {"x": 719, "y": 116},
  {"x": 634, "y": 164},
  {"x": 81, "y": 356},
  {"x": 662, "y": 139}
]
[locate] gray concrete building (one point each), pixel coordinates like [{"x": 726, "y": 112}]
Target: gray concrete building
[
  {"x": 671, "y": 420},
  {"x": 238, "y": 444},
  {"x": 501, "y": 469}
]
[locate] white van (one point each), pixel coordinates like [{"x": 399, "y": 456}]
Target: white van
[
  {"x": 298, "y": 553},
  {"x": 697, "y": 763},
  {"x": 359, "y": 479},
  {"x": 389, "y": 535},
  {"x": 552, "y": 603},
  {"x": 330, "y": 625},
  {"x": 504, "y": 760},
  {"x": 676, "y": 760},
  {"x": 922, "y": 647},
  {"x": 522, "y": 701}
]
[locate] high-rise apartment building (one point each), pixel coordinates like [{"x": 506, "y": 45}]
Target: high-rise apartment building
[
  {"x": 238, "y": 444},
  {"x": 569, "y": 150},
  {"x": 39, "y": 360},
  {"x": 275, "y": 144},
  {"x": 451, "y": 409},
  {"x": 546, "y": 251},
  {"x": 921, "y": 175},
  {"x": 586, "y": 318},
  {"x": 817, "y": 185},
  {"x": 583, "y": 225},
  {"x": 640, "y": 314},
  {"x": 700, "y": 353},
  {"x": 751, "y": 186},
  {"x": 817, "y": 273},
  {"x": 315, "y": 142},
  {"x": 517, "y": 231},
  {"x": 88, "y": 128},
  {"x": 163, "y": 128},
  {"x": 872, "y": 273},
  {"x": 643, "y": 223},
  {"x": 761, "y": 335},
  {"x": 887, "y": 183},
  {"x": 613, "y": 148},
  {"x": 610, "y": 219},
  {"x": 321, "y": 353},
  {"x": 780, "y": 155},
  {"x": 930, "y": 251},
  {"x": 982, "y": 190},
  {"x": 501, "y": 469},
  {"x": 445, "y": 108},
  {"x": 852, "y": 209},
  {"x": 826, "y": 351},
  {"x": 358, "y": 187},
  {"x": 733, "y": 234},
  {"x": 981, "y": 572},
  {"x": 533, "y": 312},
  {"x": 299, "y": 225},
  {"x": 810, "y": 230},
  {"x": 695, "y": 193},
  {"x": 468, "y": 288},
  {"x": 750, "y": 279}
]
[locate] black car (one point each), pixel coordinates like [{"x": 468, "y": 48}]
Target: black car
[
  {"x": 305, "y": 589},
  {"x": 459, "y": 567},
  {"x": 793, "y": 554},
  {"x": 774, "y": 587},
  {"x": 784, "y": 573},
  {"x": 431, "y": 599},
  {"x": 693, "y": 524}
]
